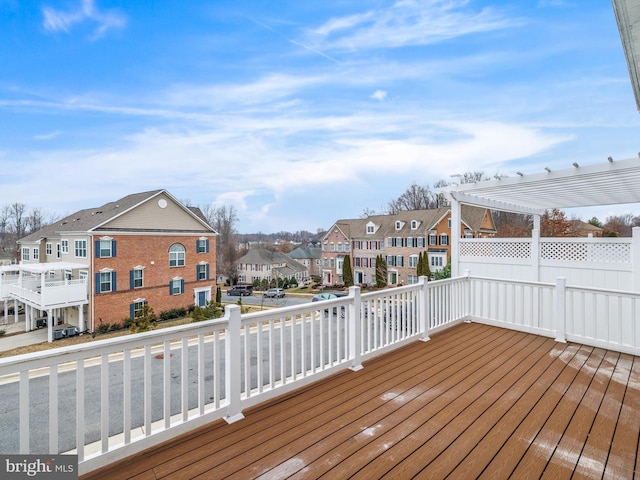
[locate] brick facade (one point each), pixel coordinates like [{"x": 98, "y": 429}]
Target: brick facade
[{"x": 152, "y": 253}]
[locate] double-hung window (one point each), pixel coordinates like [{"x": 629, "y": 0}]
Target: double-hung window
[
  {"x": 25, "y": 253},
  {"x": 64, "y": 246},
  {"x": 80, "y": 248},
  {"x": 105, "y": 281},
  {"x": 176, "y": 286},
  {"x": 202, "y": 245},
  {"x": 136, "y": 278},
  {"x": 202, "y": 271}
]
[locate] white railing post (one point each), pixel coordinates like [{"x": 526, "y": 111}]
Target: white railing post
[
  {"x": 467, "y": 295},
  {"x": 561, "y": 311},
  {"x": 635, "y": 258},
  {"x": 535, "y": 251},
  {"x": 355, "y": 329},
  {"x": 425, "y": 311},
  {"x": 232, "y": 356}
]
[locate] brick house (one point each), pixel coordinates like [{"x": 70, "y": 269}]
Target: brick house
[
  {"x": 144, "y": 249},
  {"x": 399, "y": 238}
]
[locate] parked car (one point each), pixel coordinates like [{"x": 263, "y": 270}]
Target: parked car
[
  {"x": 274, "y": 293},
  {"x": 240, "y": 290},
  {"x": 327, "y": 296}
]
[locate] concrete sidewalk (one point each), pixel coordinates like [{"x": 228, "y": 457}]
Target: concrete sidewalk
[{"x": 15, "y": 335}]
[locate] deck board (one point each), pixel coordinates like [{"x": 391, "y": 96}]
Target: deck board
[{"x": 473, "y": 402}]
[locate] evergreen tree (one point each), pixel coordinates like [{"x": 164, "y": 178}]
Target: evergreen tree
[
  {"x": 218, "y": 295},
  {"x": 420, "y": 266},
  {"x": 427, "y": 269},
  {"x": 381, "y": 272},
  {"x": 347, "y": 272}
]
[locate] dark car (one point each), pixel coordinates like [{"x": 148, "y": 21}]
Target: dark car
[
  {"x": 240, "y": 290},
  {"x": 274, "y": 293}
]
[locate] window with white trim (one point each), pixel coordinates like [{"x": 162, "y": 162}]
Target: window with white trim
[
  {"x": 413, "y": 261},
  {"x": 25, "y": 253},
  {"x": 414, "y": 224},
  {"x": 64, "y": 246},
  {"x": 36, "y": 253},
  {"x": 177, "y": 285},
  {"x": 444, "y": 239},
  {"x": 138, "y": 308},
  {"x": 202, "y": 245},
  {"x": 105, "y": 248},
  {"x": 80, "y": 248},
  {"x": 433, "y": 239},
  {"x": 48, "y": 248},
  {"x": 176, "y": 255},
  {"x": 105, "y": 282},
  {"x": 202, "y": 271},
  {"x": 137, "y": 278}
]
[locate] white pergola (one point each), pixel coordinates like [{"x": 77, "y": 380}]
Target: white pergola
[{"x": 610, "y": 183}]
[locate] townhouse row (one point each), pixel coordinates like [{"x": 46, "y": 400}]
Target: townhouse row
[
  {"x": 400, "y": 239},
  {"x": 103, "y": 265}
]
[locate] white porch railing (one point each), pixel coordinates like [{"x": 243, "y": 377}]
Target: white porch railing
[
  {"x": 54, "y": 293},
  {"x": 108, "y": 399}
]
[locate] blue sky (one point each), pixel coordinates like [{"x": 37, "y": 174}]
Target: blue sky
[{"x": 298, "y": 113}]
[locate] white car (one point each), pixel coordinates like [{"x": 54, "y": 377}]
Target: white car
[{"x": 274, "y": 293}]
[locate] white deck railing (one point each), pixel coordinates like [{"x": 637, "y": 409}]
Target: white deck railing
[
  {"x": 54, "y": 293},
  {"x": 108, "y": 399}
]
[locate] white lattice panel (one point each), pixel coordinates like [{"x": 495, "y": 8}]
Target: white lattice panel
[
  {"x": 495, "y": 249},
  {"x": 596, "y": 252}
]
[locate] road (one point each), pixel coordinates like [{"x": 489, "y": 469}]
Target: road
[{"x": 258, "y": 299}]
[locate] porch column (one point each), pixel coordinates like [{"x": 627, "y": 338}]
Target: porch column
[
  {"x": 50, "y": 326},
  {"x": 455, "y": 237},
  {"x": 535, "y": 249},
  {"x": 15, "y": 311},
  {"x": 81, "y": 318}
]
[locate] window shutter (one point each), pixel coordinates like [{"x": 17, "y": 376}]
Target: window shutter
[
  {"x": 132, "y": 310},
  {"x": 197, "y": 272},
  {"x": 170, "y": 287},
  {"x": 113, "y": 281},
  {"x": 197, "y": 245},
  {"x": 113, "y": 248},
  {"x": 97, "y": 248},
  {"x": 131, "y": 286},
  {"x": 97, "y": 283},
  {"x": 206, "y": 246},
  {"x": 181, "y": 286},
  {"x": 207, "y": 270}
]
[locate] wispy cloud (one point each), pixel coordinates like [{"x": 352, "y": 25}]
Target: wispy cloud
[
  {"x": 62, "y": 21},
  {"x": 406, "y": 23},
  {"x": 48, "y": 136}
]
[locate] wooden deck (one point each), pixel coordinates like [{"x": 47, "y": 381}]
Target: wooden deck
[{"x": 474, "y": 402}]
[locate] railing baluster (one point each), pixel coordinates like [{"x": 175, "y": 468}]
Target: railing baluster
[
  {"x": 184, "y": 384},
  {"x": 104, "y": 402},
  {"x": 80, "y": 410},
  {"x": 24, "y": 412}
]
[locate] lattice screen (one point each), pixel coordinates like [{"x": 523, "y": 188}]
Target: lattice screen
[
  {"x": 586, "y": 252},
  {"x": 495, "y": 249}
]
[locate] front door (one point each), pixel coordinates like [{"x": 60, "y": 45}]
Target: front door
[{"x": 202, "y": 299}]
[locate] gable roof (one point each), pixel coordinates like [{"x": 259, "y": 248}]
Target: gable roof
[
  {"x": 428, "y": 220},
  {"x": 262, "y": 256},
  {"x": 306, "y": 253},
  {"x": 92, "y": 219}
]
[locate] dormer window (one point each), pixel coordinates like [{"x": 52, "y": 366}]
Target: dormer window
[
  {"x": 414, "y": 224},
  {"x": 371, "y": 228}
]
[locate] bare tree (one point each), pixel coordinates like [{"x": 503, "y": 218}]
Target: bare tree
[
  {"x": 223, "y": 220},
  {"x": 18, "y": 216},
  {"x": 416, "y": 197}
]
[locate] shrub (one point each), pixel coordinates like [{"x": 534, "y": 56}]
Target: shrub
[
  {"x": 115, "y": 326},
  {"x": 102, "y": 327},
  {"x": 145, "y": 320},
  {"x": 173, "y": 313},
  {"x": 2, "y": 333}
]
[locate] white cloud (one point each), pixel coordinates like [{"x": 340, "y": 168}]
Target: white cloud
[
  {"x": 407, "y": 22},
  {"x": 62, "y": 21},
  {"x": 379, "y": 95}
]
